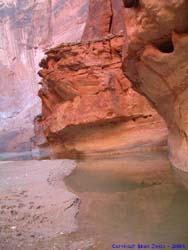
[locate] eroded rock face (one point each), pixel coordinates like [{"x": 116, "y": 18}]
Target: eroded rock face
[
  {"x": 90, "y": 102},
  {"x": 104, "y": 18},
  {"x": 27, "y": 29},
  {"x": 156, "y": 62},
  {"x": 89, "y": 107}
]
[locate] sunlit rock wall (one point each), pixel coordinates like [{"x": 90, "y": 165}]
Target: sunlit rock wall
[{"x": 27, "y": 29}]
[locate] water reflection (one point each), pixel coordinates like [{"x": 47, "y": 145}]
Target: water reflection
[
  {"x": 25, "y": 155},
  {"x": 132, "y": 199},
  {"x": 181, "y": 177}
]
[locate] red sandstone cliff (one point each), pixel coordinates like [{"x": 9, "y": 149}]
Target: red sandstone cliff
[{"x": 89, "y": 107}]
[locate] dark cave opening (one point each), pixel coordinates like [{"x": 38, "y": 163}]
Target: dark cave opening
[
  {"x": 131, "y": 3},
  {"x": 166, "y": 47}
]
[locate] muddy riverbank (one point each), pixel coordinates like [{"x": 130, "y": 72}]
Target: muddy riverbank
[{"x": 35, "y": 205}]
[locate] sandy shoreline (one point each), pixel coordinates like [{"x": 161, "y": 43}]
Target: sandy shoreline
[{"x": 35, "y": 204}]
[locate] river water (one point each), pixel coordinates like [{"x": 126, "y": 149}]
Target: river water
[{"x": 137, "y": 199}]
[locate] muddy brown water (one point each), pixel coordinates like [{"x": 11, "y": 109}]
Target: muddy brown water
[{"x": 138, "y": 199}]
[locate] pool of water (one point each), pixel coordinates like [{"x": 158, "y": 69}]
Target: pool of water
[{"x": 131, "y": 200}]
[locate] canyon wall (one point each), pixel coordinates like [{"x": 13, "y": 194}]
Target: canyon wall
[
  {"x": 156, "y": 62},
  {"x": 104, "y": 18},
  {"x": 27, "y": 29},
  {"x": 89, "y": 107}
]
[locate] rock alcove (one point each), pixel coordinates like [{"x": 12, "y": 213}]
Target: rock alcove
[{"x": 156, "y": 62}]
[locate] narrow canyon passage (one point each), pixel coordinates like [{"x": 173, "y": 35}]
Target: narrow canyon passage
[{"x": 113, "y": 90}]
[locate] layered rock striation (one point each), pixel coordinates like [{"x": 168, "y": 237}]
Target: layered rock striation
[
  {"x": 89, "y": 107},
  {"x": 156, "y": 62}
]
